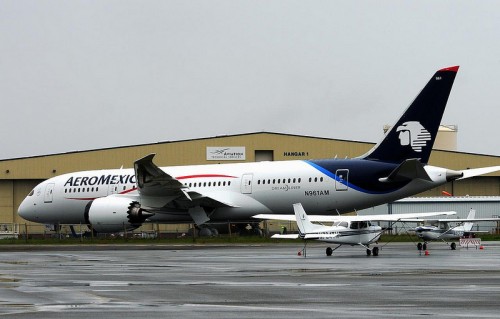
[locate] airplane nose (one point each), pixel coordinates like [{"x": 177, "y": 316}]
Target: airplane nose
[{"x": 27, "y": 209}]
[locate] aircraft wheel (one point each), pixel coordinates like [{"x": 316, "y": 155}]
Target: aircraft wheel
[
  {"x": 329, "y": 251},
  {"x": 453, "y": 246},
  {"x": 419, "y": 246},
  {"x": 424, "y": 246},
  {"x": 368, "y": 252},
  {"x": 375, "y": 251}
]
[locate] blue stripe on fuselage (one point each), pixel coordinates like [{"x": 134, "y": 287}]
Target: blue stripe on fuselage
[{"x": 363, "y": 174}]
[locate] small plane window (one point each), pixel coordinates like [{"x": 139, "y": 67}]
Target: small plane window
[
  {"x": 289, "y": 181},
  {"x": 269, "y": 181},
  {"x": 321, "y": 179},
  {"x": 315, "y": 179},
  {"x": 343, "y": 224},
  {"x": 204, "y": 184},
  {"x": 294, "y": 180},
  {"x": 274, "y": 181},
  {"x": 279, "y": 181},
  {"x": 263, "y": 181},
  {"x": 299, "y": 180},
  {"x": 228, "y": 183},
  {"x": 310, "y": 179}
]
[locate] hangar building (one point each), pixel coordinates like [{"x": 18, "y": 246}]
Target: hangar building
[{"x": 18, "y": 176}]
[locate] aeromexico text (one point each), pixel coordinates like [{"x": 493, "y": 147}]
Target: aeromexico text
[{"x": 100, "y": 180}]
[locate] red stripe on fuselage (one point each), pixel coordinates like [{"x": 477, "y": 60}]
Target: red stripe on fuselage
[{"x": 205, "y": 176}]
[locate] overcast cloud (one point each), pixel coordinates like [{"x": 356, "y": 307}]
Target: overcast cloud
[{"x": 78, "y": 75}]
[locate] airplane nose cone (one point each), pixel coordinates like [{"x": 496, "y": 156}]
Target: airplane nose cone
[{"x": 27, "y": 209}]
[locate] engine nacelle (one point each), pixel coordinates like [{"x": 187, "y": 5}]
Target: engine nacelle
[{"x": 114, "y": 214}]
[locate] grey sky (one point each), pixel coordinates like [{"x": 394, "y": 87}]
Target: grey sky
[{"x": 77, "y": 75}]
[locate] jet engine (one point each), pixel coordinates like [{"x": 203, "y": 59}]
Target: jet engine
[{"x": 114, "y": 214}]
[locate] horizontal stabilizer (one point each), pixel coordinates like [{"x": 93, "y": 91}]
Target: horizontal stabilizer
[
  {"x": 479, "y": 171},
  {"x": 285, "y": 236},
  {"x": 317, "y": 236},
  {"x": 408, "y": 170}
]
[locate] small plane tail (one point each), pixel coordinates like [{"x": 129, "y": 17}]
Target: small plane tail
[
  {"x": 303, "y": 222},
  {"x": 413, "y": 135},
  {"x": 472, "y": 215}
]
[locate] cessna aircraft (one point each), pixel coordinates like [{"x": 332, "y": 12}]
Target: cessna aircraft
[
  {"x": 346, "y": 230},
  {"x": 124, "y": 199},
  {"x": 439, "y": 229}
]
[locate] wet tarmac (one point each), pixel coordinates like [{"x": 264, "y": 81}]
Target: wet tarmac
[{"x": 269, "y": 281}]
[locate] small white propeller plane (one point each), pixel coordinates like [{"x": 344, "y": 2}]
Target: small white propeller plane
[
  {"x": 440, "y": 229},
  {"x": 346, "y": 230}
]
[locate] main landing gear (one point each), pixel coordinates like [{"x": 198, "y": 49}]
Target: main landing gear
[
  {"x": 369, "y": 252},
  {"x": 423, "y": 246},
  {"x": 373, "y": 251}
]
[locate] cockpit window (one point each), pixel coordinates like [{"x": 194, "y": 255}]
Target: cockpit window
[{"x": 32, "y": 192}]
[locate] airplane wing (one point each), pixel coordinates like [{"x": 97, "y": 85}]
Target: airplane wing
[
  {"x": 383, "y": 217},
  {"x": 152, "y": 181},
  {"x": 452, "y": 220},
  {"x": 159, "y": 189}
]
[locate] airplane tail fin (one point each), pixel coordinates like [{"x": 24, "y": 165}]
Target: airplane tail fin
[
  {"x": 472, "y": 215},
  {"x": 413, "y": 135},
  {"x": 303, "y": 222}
]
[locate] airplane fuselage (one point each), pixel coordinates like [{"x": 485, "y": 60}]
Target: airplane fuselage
[
  {"x": 346, "y": 236},
  {"x": 323, "y": 187},
  {"x": 430, "y": 233}
]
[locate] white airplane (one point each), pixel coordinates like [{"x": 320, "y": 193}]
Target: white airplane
[
  {"x": 439, "y": 229},
  {"x": 346, "y": 230},
  {"x": 119, "y": 199}
]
